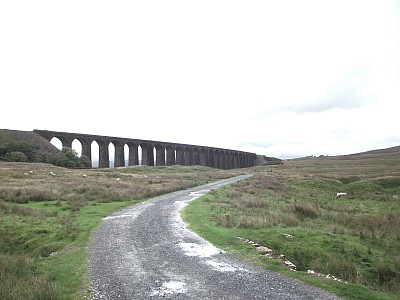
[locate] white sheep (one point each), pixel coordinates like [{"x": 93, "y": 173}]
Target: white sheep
[
  {"x": 341, "y": 194},
  {"x": 52, "y": 174}
]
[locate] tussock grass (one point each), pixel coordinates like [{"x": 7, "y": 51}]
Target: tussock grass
[
  {"x": 303, "y": 210},
  {"x": 17, "y": 282},
  {"x": 252, "y": 202}
]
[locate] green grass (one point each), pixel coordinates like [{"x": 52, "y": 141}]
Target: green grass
[
  {"x": 54, "y": 241},
  {"x": 68, "y": 267},
  {"x": 307, "y": 249}
]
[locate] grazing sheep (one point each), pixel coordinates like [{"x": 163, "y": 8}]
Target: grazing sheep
[
  {"x": 52, "y": 174},
  {"x": 84, "y": 175},
  {"x": 341, "y": 194}
]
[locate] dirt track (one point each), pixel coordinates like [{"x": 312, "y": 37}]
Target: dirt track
[{"x": 146, "y": 252}]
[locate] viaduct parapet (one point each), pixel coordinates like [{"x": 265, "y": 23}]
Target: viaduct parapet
[{"x": 166, "y": 154}]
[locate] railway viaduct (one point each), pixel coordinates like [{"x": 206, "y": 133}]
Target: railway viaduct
[{"x": 165, "y": 153}]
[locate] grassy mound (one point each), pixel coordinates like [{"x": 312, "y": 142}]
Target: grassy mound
[{"x": 43, "y": 148}]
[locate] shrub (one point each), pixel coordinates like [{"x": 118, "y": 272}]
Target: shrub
[
  {"x": 266, "y": 160},
  {"x": 27, "y": 149},
  {"x": 16, "y": 156},
  {"x": 68, "y": 158},
  {"x": 385, "y": 274}
]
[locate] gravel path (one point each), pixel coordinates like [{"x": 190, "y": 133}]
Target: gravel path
[{"x": 146, "y": 252}]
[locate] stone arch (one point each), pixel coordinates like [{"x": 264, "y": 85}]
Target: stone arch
[
  {"x": 133, "y": 154},
  {"x": 179, "y": 156},
  {"x": 85, "y": 147},
  {"x": 211, "y": 158},
  {"x": 104, "y": 160},
  {"x": 203, "y": 157},
  {"x": 188, "y": 156},
  {"x": 144, "y": 154},
  {"x": 223, "y": 160},
  {"x": 119, "y": 159},
  {"x": 160, "y": 155},
  {"x": 147, "y": 154},
  {"x": 217, "y": 159},
  {"x": 195, "y": 156},
  {"x": 228, "y": 160},
  {"x": 170, "y": 155},
  {"x": 235, "y": 161}
]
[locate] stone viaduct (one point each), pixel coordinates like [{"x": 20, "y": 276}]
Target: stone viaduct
[{"x": 165, "y": 153}]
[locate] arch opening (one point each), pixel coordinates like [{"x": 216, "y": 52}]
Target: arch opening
[
  {"x": 95, "y": 154},
  {"x": 55, "y": 141},
  {"x": 126, "y": 155},
  {"x": 77, "y": 146},
  {"x": 111, "y": 155}
]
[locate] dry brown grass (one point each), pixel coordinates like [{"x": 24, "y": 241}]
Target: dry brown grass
[{"x": 21, "y": 183}]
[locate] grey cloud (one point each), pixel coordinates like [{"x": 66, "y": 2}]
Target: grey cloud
[
  {"x": 350, "y": 92},
  {"x": 343, "y": 95}
]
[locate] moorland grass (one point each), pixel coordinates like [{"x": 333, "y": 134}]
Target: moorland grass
[
  {"x": 45, "y": 221},
  {"x": 355, "y": 238}
]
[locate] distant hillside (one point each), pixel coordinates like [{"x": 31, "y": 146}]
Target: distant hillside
[
  {"x": 42, "y": 146},
  {"x": 373, "y": 163},
  {"x": 381, "y": 151},
  {"x": 263, "y": 160}
]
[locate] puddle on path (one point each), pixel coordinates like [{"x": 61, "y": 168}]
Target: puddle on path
[
  {"x": 206, "y": 250},
  {"x": 170, "y": 287},
  {"x": 222, "y": 267},
  {"x": 117, "y": 217}
]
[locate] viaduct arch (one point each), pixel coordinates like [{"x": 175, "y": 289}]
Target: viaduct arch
[{"x": 166, "y": 153}]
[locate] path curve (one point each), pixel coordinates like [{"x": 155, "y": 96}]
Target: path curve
[{"x": 145, "y": 252}]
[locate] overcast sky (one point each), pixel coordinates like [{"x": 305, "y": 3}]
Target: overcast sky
[{"x": 279, "y": 78}]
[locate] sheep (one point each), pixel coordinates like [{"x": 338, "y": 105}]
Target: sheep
[
  {"x": 84, "y": 175},
  {"x": 52, "y": 174},
  {"x": 340, "y": 194}
]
